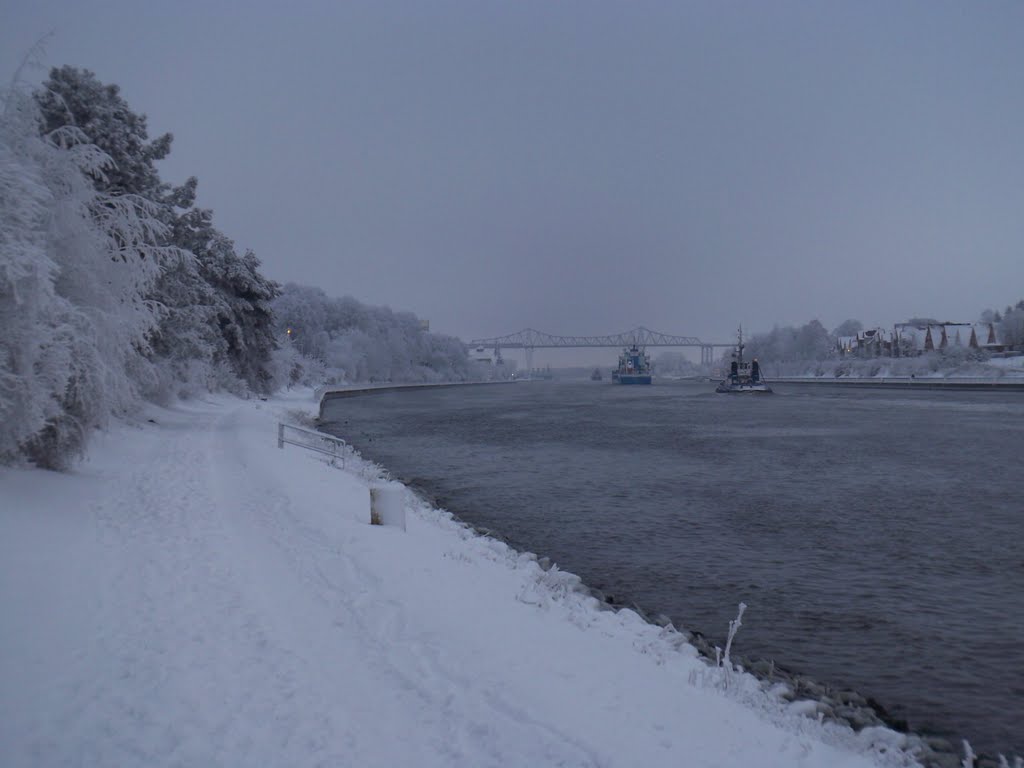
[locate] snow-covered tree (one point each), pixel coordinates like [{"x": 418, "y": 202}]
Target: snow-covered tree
[
  {"x": 33, "y": 349},
  {"x": 808, "y": 342},
  {"x": 75, "y": 265},
  {"x": 72, "y": 96},
  {"x": 813, "y": 342},
  {"x": 777, "y": 344},
  {"x": 214, "y": 323},
  {"x": 1013, "y": 326},
  {"x": 230, "y": 321},
  {"x": 848, "y": 328},
  {"x": 363, "y": 343}
]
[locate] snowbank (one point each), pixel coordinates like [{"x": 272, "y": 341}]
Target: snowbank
[{"x": 192, "y": 595}]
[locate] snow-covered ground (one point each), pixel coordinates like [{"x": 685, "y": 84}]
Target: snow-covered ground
[
  {"x": 1009, "y": 364},
  {"x": 193, "y": 596},
  {"x": 932, "y": 366}
]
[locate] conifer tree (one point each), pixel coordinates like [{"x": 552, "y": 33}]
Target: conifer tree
[{"x": 214, "y": 327}]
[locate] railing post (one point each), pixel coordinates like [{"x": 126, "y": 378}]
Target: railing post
[{"x": 280, "y": 435}]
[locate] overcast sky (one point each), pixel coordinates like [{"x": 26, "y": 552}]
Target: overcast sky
[{"x": 586, "y": 167}]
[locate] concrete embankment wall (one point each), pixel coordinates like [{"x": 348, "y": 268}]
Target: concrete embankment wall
[
  {"x": 326, "y": 394},
  {"x": 1010, "y": 384}
]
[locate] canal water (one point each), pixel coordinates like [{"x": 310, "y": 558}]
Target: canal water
[{"x": 877, "y": 536}]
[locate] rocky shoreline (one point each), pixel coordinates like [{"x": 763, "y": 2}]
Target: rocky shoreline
[{"x": 842, "y": 706}]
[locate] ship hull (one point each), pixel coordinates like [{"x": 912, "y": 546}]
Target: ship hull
[
  {"x": 729, "y": 388},
  {"x": 631, "y": 378}
]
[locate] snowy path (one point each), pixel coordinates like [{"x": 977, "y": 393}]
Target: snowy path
[{"x": 193, "y": 596}]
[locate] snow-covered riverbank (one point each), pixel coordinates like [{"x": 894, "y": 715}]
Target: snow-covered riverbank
[
  {"x": 933, "y": 367},
  {"x": 909, "y": 383},
  {"x": 192, "y": 595}
]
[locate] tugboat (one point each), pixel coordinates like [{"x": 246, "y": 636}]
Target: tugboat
[
  {"x": 634, "y": 367},
  {"x": 743, "y": 376},
  {"x": 596, "y": 375}
]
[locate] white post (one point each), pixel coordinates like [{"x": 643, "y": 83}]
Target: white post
[{"x": 387, "y": 505}]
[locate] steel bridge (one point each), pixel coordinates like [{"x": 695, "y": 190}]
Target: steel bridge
[{"x": 530, "y": 339}]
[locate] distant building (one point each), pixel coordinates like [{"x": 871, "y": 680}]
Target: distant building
[
  {"x": 873, "y": 342},
  {"x": 846, "y": 345},
  {"x": 481, "y": 355},
  {"x": 938, "y": 337},
  {"x": 911, "y": 339},
  {"x": 485, "y": 356}
]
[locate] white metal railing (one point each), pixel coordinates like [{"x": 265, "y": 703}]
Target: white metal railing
[{"x": 311, "y": 440}]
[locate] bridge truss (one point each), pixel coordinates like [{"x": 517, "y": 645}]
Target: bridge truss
[{"x": 530, "y": 339}]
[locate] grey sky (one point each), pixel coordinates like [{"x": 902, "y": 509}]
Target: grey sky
[{"x": 585, "y": 167}]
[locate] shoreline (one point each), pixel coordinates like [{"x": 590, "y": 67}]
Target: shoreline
[{"x": 336, "y": 392}]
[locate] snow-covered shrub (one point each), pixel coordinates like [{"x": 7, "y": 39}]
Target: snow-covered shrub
[
  {"x": 734, "y": 627},
  {"x": 289, "y": 369}
]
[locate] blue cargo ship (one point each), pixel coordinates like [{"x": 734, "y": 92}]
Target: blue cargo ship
[{"x": 634, "y": 367}]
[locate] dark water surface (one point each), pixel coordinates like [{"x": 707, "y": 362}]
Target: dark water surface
[{"x": 877, "y": 536}]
